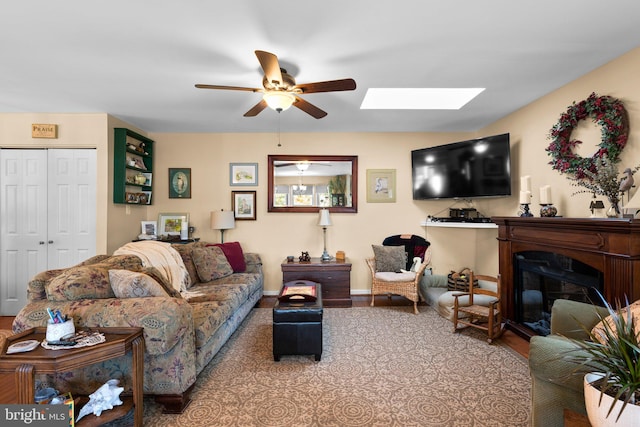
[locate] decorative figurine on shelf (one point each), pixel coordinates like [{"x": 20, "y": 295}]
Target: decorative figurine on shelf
[
  {"x": 106, "y": 397},
  {"x": 305, "y": 257},
  {"x": 141, "y": 148}
]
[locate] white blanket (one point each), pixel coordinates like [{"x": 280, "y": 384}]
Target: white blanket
[{"x": 161, "y": 256}]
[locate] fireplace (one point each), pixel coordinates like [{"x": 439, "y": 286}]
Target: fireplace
[
  {"x": 543, "y": 259},
  {"x": 540, "y": 278}
]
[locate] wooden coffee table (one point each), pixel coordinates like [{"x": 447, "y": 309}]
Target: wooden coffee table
[{"x": 119, "y": 341}]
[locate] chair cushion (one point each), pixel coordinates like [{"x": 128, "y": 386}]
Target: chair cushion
[
  {"x": 390, "y": 258},
  {"x": 211, "y": 263},
  {"x": 129, "y": 284},
  {"x": 388, "y": 276}
]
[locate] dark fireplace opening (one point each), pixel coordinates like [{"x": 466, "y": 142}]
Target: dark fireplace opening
[{"x": 543, "y": 277}]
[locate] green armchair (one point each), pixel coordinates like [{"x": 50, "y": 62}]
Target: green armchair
[{"x": 555, "y": 384}]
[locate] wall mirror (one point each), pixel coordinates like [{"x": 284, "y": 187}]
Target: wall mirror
[{"x": 299, "y": 183}]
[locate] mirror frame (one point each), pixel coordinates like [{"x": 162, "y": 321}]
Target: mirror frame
[{"x": 299, "y": 158}]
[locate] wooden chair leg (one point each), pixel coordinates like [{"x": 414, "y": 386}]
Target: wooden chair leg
[
  {"x": 415, "y": 308},
  {"x": 373, "y": 299}
]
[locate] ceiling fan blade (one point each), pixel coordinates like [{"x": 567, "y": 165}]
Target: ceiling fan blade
[
  {"x": 256, "y": 109},
  {"x": 309, "y": 108},
  {"x": 271, "y": 66},
  {"x": 248, "y": 89},
  {"x": 328, "y": 86}
]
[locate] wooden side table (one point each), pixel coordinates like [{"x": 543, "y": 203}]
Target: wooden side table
[
  {"x": 334, "y": 276},
  {"x": 119, "y": 341}
]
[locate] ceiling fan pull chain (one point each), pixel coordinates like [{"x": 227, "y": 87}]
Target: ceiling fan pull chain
[{"x": 279, "y": 145}]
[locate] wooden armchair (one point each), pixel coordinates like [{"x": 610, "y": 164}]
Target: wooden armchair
[
  {"x": 468, "y": 312},
  {"x": 404, "y": 284}
]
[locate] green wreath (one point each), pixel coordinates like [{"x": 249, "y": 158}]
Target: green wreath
[{"x": 606, "y": 111}]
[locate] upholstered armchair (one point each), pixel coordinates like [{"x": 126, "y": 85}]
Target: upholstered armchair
[{"x": 555, "y": 382}]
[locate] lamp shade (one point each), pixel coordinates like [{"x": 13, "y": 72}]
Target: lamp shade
[
  {"x": 325, "y": 219},
  {"x": 634, "y": 204},
  {"x": 222, "y": 220}
]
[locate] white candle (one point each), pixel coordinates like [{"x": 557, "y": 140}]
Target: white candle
[
  {"x": 525, "y": 197},
  {"x": 525, "y": 183},
  {"x": 545, "y": 195}
]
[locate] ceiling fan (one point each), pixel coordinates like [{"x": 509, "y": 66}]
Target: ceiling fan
[{"x": 281, "y": 91}]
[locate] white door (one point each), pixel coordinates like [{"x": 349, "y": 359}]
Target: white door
[
  {"x": 71, "y": 208},
  {"x": 47, "y": 216}
]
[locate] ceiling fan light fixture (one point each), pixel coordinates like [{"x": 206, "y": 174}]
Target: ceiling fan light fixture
[{"x": 279, "y": 100}]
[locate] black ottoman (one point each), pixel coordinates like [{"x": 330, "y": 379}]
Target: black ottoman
[{"x": 297, "y": 325}]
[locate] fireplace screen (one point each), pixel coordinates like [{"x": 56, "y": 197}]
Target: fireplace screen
[{"x": 543, "y": 277}]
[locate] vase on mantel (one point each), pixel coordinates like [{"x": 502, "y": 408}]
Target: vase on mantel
[{"x": 614, "y": 209}]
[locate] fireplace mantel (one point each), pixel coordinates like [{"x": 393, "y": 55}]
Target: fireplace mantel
[{"x": 611, "y": 246}]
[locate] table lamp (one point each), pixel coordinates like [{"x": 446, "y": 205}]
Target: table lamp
[
  {"x": 222, "y": 220},
  {"x": 634, "y": 206},
  {"x": 324, "y": 221}
]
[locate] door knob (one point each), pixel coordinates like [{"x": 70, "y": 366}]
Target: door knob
[
  {"x": 41, "y": 242},
  {"x": 50, "y": 241}
]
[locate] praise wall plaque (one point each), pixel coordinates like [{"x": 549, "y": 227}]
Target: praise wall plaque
[{"x": 39, "y": 130}]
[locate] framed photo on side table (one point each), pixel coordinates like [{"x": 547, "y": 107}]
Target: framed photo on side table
[
  {"x": 169, "y": 224},
  {"x": 243, "y": 174},
  {"x": 381, "y": 185},
  {"x": 149, "y": 228},
  {"x": 243, "y": 204},
  {"x": 179, "y": 183}
]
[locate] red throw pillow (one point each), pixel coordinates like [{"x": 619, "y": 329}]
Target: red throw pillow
[{"x": 234, "y": 254}]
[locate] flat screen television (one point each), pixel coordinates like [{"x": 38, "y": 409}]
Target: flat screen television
[{"x": 463, "y": 170}]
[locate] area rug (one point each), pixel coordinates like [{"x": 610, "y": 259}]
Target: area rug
[{"x": 381, "y": 366}]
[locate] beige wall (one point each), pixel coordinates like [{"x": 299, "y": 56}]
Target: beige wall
[
  {"x": 275, "y": 235},
  {"x": 74, "y": 131}
]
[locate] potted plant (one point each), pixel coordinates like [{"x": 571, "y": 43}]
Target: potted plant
[
  {"x": 613, "y": 352},
  {"x": 337, "y": 187}
]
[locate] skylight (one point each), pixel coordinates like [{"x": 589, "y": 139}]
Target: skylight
[{"x": 418, "y": 98}]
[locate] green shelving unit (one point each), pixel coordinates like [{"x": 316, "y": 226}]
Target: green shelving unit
[{"x": 132, "y": 160}]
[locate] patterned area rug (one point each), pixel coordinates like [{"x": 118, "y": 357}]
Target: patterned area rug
[{"x": 381, "y": 366}]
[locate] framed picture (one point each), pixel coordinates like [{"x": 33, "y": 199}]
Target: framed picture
[
  {"x": 243, "y": 204},
  {"x": 179, "y": 183},
  {"x": 381, "y": 185},
  {"x": 169, "y": 224},
  {"x": 243, "y": 174},
  {"x": 149, "y": 228}
]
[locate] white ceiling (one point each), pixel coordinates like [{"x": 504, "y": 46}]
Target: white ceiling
[{"x": 139, "y": 60}]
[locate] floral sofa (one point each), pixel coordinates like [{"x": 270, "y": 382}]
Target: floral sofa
[{"x": 183, "y": 329}]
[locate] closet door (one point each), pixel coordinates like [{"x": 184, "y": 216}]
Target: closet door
[
  {"x": 47, "y": 216},
  {"x": 23, "y": 219},
  {"x": 71, "y": 207}
]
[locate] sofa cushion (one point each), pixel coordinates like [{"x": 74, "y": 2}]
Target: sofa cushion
[
  {"x": 187, "y": 259},
  {"x": 155, "y": 274},
  {"x": 211, "y": 263},
  {"x": 83, "y": 282},
  {"x": 234, "y": 254},
  {"x": 390, "y": 258},
  {"x": 130, "y": 284}
]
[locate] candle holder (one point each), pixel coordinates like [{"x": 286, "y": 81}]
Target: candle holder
[
  {"x": 525, "y": 210},
  {"x": 548, "y": 210}
]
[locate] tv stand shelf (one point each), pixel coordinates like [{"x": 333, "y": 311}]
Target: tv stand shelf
[{"x": 458, "y": 224}]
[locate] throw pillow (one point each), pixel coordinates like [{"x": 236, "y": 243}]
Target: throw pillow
[
  {"x": 389, "y": 258},
  {"x": 598, "y": 330},
  {"x": 234, "y": 254},
  {"x": 83, "y": 282},
  {"x": 211, "y": 263},
  {"x": 130, "y": 284},
  {"x": 155, "y": 274}
]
